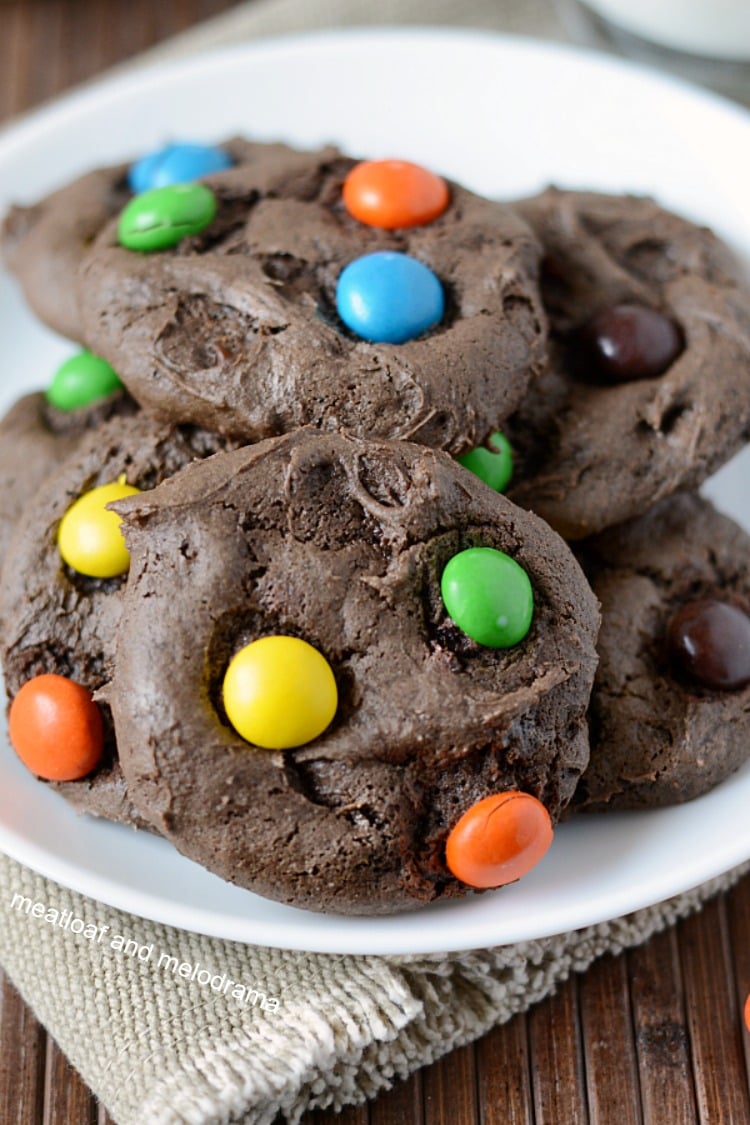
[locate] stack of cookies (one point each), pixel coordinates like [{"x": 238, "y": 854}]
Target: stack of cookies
[{"x": 360, "y": 543}]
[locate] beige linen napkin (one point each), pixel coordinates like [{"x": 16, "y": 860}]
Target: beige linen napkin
[{"x": 170, "y": 1027}]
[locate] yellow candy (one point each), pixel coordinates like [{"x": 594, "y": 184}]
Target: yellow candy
[
  {"x": 279, "y": 692},
  {"x": 89, "y": 537}
]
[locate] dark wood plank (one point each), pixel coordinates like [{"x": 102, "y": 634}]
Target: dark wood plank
[
  {"x": 22, "y": 1055},
  {"x": 67, "y": 1098},
  {"x": 608, "y": 1049},
  {"x": 503, "y": 1078},
  {"x": 401, "y": 1105},
  {"x": 130, "y": 28},
  {"x": 559, "y": 1087},
  {"x": 16, "y": 45},
  {"x": 37, "y": 75},
  {"x": 661, "y": 1034},
  {"x": 713, "y": 1019},
  {"x": 738, "y": 912},
  {"x": 450, "y": 1093},
  {"x": 84, "y": 41},
  {"x": 351, "y": 1115},
  {"x": 48, "y": 45}
]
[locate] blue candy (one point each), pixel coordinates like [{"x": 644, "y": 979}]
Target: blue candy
[
  {"x": 389, "y": 298},
  {"x": 176, "y": 164}
]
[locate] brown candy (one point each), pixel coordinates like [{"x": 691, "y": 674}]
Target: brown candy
[
  {"x": 628, "y": 342},
  {"x": 709, "y": 641}
]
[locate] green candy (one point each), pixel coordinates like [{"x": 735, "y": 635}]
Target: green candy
[
  {"x": 83, "y": 379},
  {"x": 489, "y": 596},
  {"x": 493, "y": 464},
  {"x": 158, "y": 219}
]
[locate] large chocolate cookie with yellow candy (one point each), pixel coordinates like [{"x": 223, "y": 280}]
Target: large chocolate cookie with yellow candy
[
  {"x": 670, "y": 710},
  {"x": 254, "y": 306},
  {"x": 61, "y": 599},
  {"x": 309, "y": 694},
  {"x": 648, "y": 386}
]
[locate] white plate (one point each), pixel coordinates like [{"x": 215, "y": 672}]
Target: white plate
[{"x": 506, "y": 117}]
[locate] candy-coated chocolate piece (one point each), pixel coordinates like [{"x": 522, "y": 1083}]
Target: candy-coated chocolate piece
[
  {"x": 89, "y": 537},
  {"x": 279, "y": 692},
  {"x": 83, "y": 379},
  {"x": 393, "y": 194},
  {"x": 492, "y": 463},
  {"x": 489, "y": 596},
  {"x": 56, "y": 728},
  {"x": 709, "y": 641},
  {"x": 177, "y": 164},
  {"x": 628, "y": 342},
  {"x": 389, "y": 298},
  {"x": 162, "y": 217},
  {"x": 747, "y": 1012},
  {"x": 499, "y": 839}
]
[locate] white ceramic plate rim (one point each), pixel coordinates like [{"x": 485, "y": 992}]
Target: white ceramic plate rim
[{"x": 144, "y": 875}]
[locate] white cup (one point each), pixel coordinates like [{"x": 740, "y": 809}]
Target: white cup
[{"x": 718, "y": 29}]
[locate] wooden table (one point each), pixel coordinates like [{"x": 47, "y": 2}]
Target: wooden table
[{"x": 654, "y": 1036}]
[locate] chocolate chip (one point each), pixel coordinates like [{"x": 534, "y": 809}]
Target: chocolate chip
[
  {"x": 628, "y": 342},
  {"x": 709, "y": 641}
]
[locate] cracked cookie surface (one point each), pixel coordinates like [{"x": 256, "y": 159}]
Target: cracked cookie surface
[
  {"x": 592, "y": 455},
  {"x": 341, "y": 542},
  {"x": 35, "y": 439},
  {"x": 44, "y": 244},
  {"x": 236, "y": 329},
  {"x": 55, "y": 620},
  {"x": 657, "y": 738}
]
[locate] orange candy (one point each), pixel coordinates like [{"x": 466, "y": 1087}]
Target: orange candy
[
  {"x": 747, "y": 1013},
  {"x": 56, "y": 728},
  {"x": 393, "y": 193},
  {"x": 498, "y": 839}
]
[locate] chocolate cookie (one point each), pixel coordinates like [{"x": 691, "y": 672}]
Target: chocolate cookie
[
  {"x": 35, "y": 439},
  {"x": 56, "y": 620},
  {"x": 648, "y": 386},
  {"x": 670, "y": 710},
  {"x": 44, "y": 244},
  {"x": 238, "y": 328},
  {"x": 341, "y": 543}
]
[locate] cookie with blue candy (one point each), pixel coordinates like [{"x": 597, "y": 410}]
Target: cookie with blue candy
[
  {"x": 43, "y": 242},
  {"x": 372, "y": 296}
]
